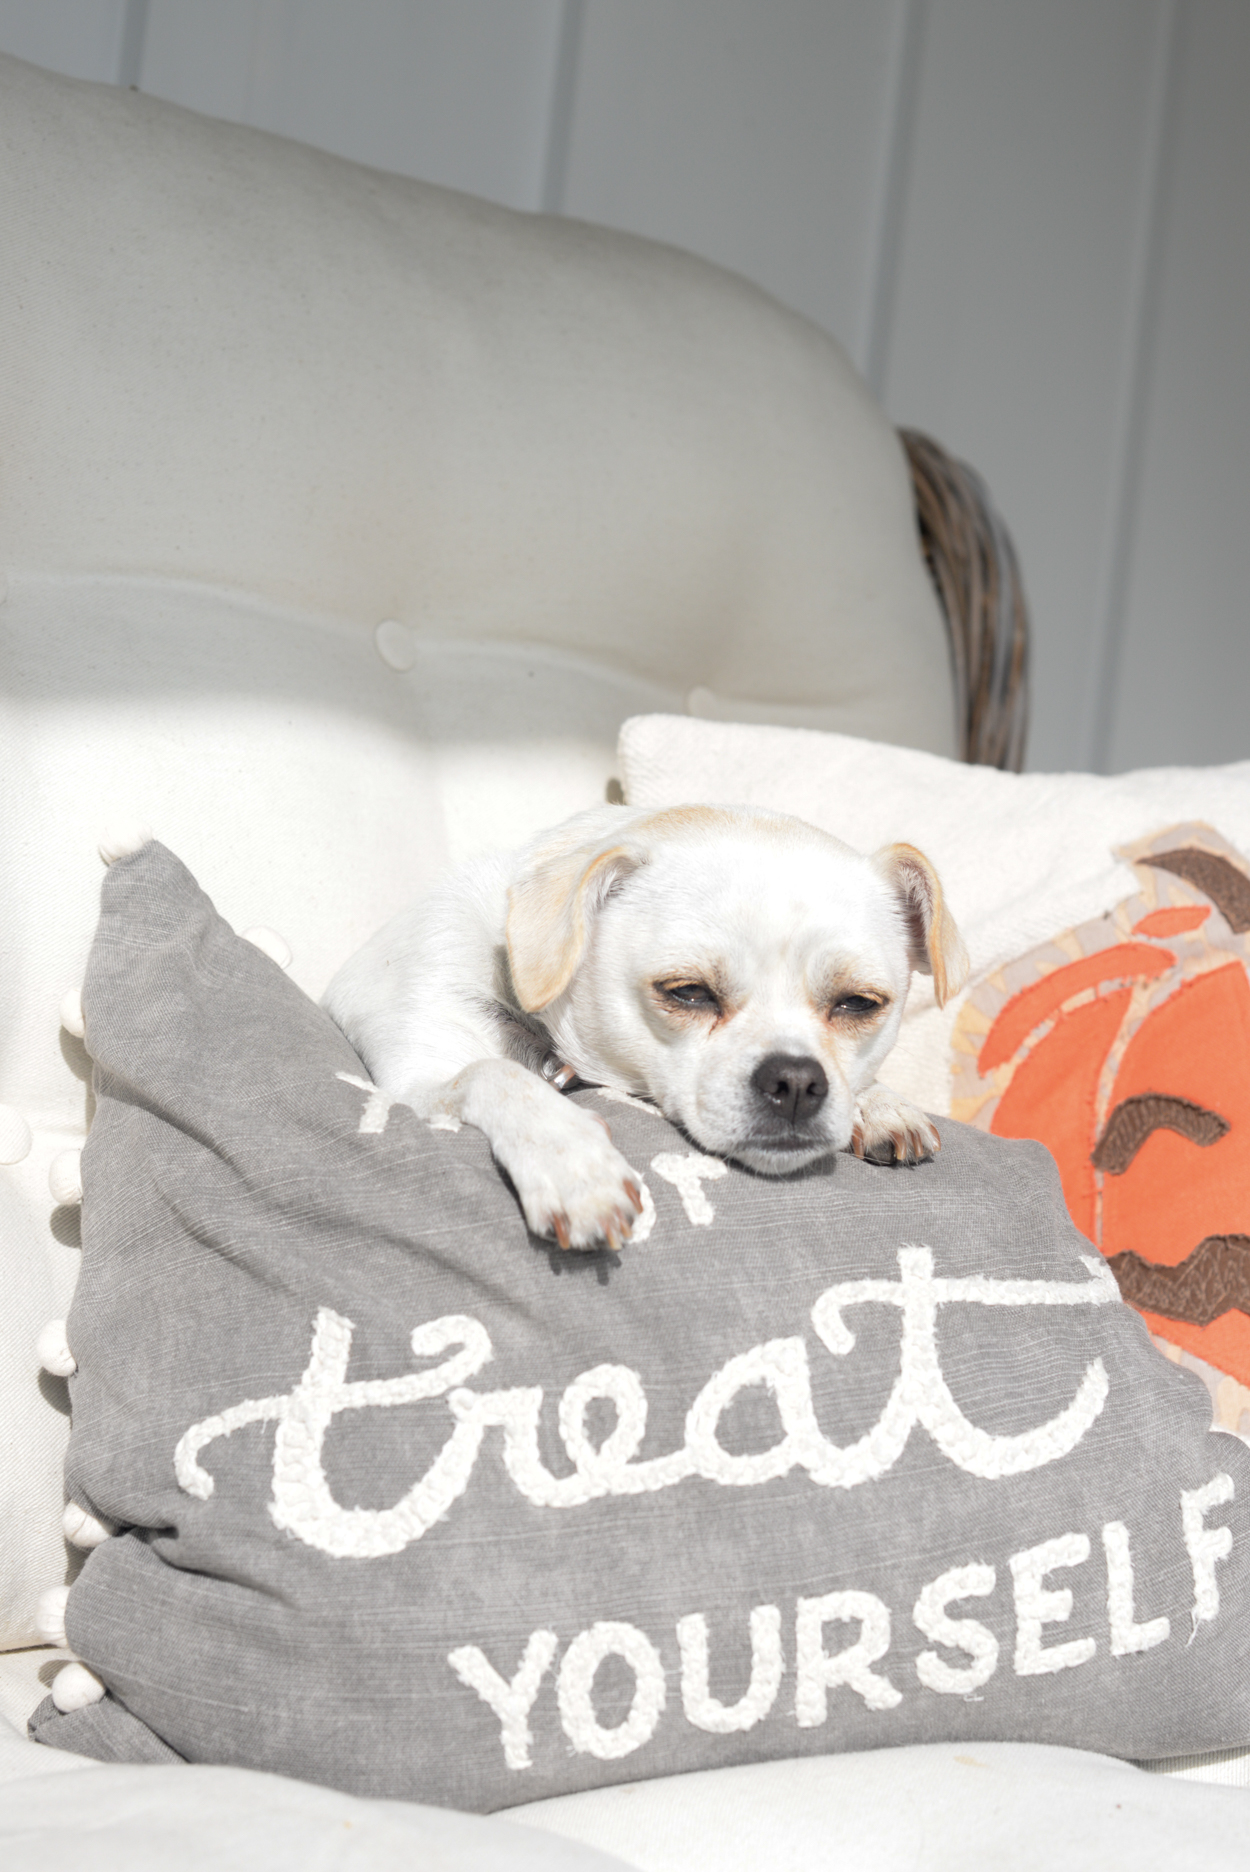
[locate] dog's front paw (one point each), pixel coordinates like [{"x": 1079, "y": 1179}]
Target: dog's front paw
[
  {"x": 889, "y": 1129},
  {"x": 578, "y": 1190}
]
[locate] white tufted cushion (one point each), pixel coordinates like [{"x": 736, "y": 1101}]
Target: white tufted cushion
[{"x": 239, "y": 361}]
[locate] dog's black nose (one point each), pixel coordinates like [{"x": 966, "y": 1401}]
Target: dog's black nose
[{"x": 794, "y": 1088}]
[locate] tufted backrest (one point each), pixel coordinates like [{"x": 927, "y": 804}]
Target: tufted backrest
[{"x": 237, "y": 361}]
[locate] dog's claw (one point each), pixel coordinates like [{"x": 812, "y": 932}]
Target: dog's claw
[
  {"x": 635, "y": 1196},
  {"x": 889, "y": 1129},
  {"x": 560, "y": 1229}
]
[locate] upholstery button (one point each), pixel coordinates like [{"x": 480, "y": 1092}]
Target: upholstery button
[{"x": 397, "y": 644}]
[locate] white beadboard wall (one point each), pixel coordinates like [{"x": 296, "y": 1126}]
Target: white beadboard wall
[{"x": 1026, "y": 220}]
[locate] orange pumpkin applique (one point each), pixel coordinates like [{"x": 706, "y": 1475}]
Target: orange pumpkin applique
[{"x": 1124, "y": 1046}]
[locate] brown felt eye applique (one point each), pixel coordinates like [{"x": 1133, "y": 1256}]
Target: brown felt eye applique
[{"x": 1124, "y": 1046}]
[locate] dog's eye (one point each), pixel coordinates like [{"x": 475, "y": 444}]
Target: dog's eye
[
  {"x": 855, "y": 1004},
  {"x": 689, "y": 994}
]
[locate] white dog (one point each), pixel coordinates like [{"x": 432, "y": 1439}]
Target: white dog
[{"x": 740, "y": 969}]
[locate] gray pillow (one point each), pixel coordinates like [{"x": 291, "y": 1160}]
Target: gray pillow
[{"x": 413, "y": 1504}]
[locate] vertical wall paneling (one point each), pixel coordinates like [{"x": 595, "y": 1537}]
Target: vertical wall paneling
[
  {"x": 900, "y": 124},
  {"x": 201, "y": 56},
  {"x": 560, "y": 115},
  {"x": 130, "y": 52},
  {"x": 1183, "y": 678},
  {"x": 1139, "y": 353},
  {"x": 459, "y": 94},
  {"x": 754, "y": 135},
  {"x": 81, "y": 38},
  {"x": 1018, "y": 258}
]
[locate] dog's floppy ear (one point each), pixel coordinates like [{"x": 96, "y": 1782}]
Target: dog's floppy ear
[
  {"x": 935, "y": 944},
  {"x": 549, "y": 912}
]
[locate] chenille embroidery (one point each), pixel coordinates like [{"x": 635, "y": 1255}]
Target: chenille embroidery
[{"x": 304, "y": 1505}]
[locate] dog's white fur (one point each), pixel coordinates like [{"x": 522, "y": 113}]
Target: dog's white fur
[{"x": 671, "y": 955}]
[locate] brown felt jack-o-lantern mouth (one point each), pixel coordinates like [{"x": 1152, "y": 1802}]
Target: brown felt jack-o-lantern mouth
[{"x": 1124, "y": 1046}]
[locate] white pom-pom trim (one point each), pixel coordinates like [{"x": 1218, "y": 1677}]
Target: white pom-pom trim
[
  {"x": 65, "y": 1177},
  {"x": 82, "y": 1529},
  {"x": 397, "y": 644},
  {"x": 269, "y": 943},
  {"x": 122, "y": 841},
  {"x": 15, "y": 1137},
  {"x": 53, "y": 1350},
  {"x": 71, "y": 1013},
  {"x": 75, "y": 1687},
  {"x": 50, "y": 1614}
]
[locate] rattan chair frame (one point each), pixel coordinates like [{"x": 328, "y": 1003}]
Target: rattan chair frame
[{"x": 973, "y": 565}]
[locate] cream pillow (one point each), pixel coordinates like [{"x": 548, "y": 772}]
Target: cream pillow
[{"x": 1021, "y": 856}]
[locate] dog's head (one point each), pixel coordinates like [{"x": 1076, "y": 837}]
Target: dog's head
[{"x": 742, "y": 969}]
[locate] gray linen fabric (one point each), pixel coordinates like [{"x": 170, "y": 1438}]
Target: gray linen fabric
[{"x": 413, "y": 1504}]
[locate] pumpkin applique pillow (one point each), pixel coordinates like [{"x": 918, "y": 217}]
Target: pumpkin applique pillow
[{"x": 1123, "y": 1045}]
